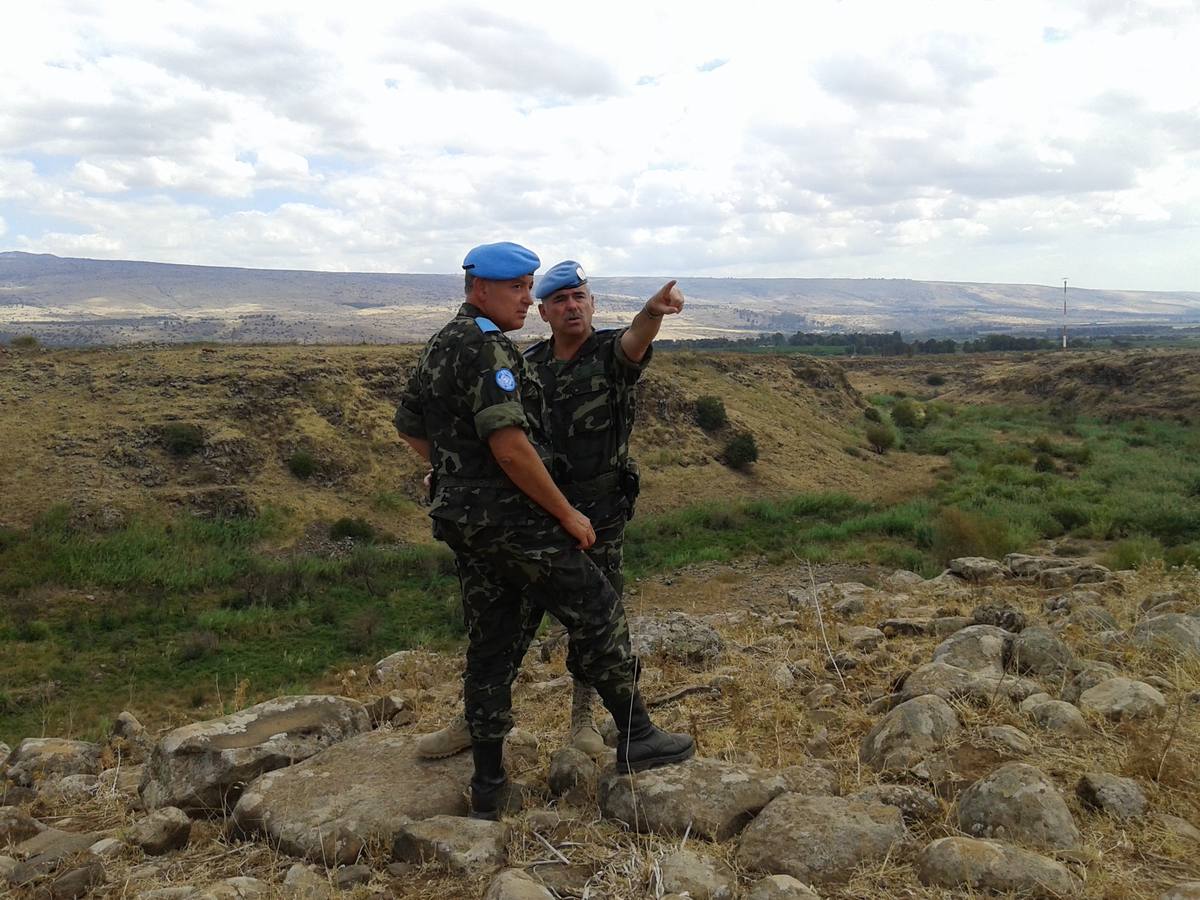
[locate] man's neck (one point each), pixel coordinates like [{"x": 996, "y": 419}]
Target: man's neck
[{"x": 567, "y": 348}]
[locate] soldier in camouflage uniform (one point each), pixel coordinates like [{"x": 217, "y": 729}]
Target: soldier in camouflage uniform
[
  {"x": 588, "y": 379},
  {"x": 475, "y": 413}
]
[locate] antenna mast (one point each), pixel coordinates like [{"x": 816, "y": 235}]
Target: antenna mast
[{"x": 1064, "y": 330}]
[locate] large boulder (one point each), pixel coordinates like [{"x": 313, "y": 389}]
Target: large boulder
[
  {"x": 698, "y": 877},
  {"x": 977, "y": 569},
  {"x": 514, "y": 884},
  {"x": 37, "y": 760},
  {"x": 1091, "y": 673},
  {"x": 162, "y": 831},
  {"x": 1060, "y": 717},
  {"x": 978, "y": 648},
  {"x": 17, "y": 825},
  {"x": 1022, "y": 565},
  {"x": 953, "y": 683},
  {"x": 204, "y": 766},
  {"x": 1174, "y": 631},
  {"x": 330, "y": 807},
  {"x": 961, "y": 862},
  {"x": 1039, "y": 651},
  {"x": 675, "y": 636},
  {"x": 915, "y": 804},
  {"x": 820, "y": 840},
  {"x": 1121, "y": 699},
  {"x": 705, "y": 797},
  {"x": 1017, "y": 802},
  {"x": 909, "y": 733}
]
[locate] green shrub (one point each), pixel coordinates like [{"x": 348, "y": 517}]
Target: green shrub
[
  {"x": 710, "y": 413},
  {"x": 741, "y": 451},
  {"x": 1044, "y": 463},
  {"x": 354, "y": 529},
  {"x": 871, "y": 414},
  {"x": 182, "y": 438},
  {"x": 302, "y": 464},
  {"x": 197, "y": 645},
  {"x": 881, "y": 437},
  {"x": 1184, "y": 555},
  {"x": 1080, "y": 454},
  {"x": 24, "y": 342},
  {"x": 1069, "y": 515},
  {"x": 1043, "y": 444},
  {"x": 1134, "y": 552},
  {"x": 959, "y": 532},
  {"x": 908, "y": 413},
  {"x": 935, "y": 380}
]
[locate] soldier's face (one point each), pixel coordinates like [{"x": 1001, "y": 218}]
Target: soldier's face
[
  {"x": 569, "y": 311},
  {"x": 505, "y": 302}
]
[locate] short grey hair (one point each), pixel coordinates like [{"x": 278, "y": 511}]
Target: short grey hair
[{"x": 468, "y": 280}]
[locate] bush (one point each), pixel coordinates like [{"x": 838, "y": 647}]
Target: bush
[
  {"x": 354, "y": 529},
  {"x": 881, "y": 437},
  {"x": 24, "y": 342},
  {"x": 1069, "y": 515},
  {"x": 302, "y": 464},
  {"x": 197, "y": 645},
  {"x": 908, "y": 413},
  {"x": 935, "y": 380},
  {"x": 1044, "y": 463},
  {"x": 1043, "y": 444},
  {"x": 1134, "y": 552},
  {"x": 741, "y": 451},
  {"x": 182, "y": 439},
  {"x": 710, "y": 413},
  {"x": 960, "y": 533},
  {"x": 872, "y": 414}
]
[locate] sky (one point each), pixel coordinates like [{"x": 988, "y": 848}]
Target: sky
[{"x": 956, "y": 140}]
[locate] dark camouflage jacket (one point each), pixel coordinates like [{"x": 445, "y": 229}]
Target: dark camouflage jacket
[
  {"x": 469, "y": 382},
  {"x": 590, "y": 407}
]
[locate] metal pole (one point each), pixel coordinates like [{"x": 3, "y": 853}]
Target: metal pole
[{"x": 1064, "y": 332}]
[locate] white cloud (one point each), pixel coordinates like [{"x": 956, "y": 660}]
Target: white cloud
[{"x": 969, "y": 141}]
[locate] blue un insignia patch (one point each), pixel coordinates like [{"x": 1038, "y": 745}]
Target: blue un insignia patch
[{"x": 506, "y": 380}]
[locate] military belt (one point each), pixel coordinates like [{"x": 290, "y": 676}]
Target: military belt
[{"x": 462, "y": 481}]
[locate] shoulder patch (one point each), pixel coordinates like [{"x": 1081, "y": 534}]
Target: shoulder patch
[
  {"x": 506, "y": 380},
  {"x": 486, "y": 325}
]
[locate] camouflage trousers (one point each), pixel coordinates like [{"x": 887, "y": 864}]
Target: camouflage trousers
[
  {"x": 608, "y": 555},
  {"x": 510, "y": 577}
]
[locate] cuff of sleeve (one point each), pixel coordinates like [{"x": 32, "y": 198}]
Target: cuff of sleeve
[
  {"x": 502, "y": 415},
  {"x": 625, "y": 361},
  {"x": 410, "y": 424}
]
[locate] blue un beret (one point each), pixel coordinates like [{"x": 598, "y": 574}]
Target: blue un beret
[
  {"x": 566, "y": 274},
  {"x": 499, "y": 262}
]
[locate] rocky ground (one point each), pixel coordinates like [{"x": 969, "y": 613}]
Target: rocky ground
[{"x": 1026, "y": 727}]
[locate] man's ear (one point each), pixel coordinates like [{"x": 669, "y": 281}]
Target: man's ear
[{"x": 542, "y": 312}]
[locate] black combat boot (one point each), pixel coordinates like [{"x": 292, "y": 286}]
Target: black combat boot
[
  {"x": 643, "y": 746},
  {"x": 492, "y": 794}
]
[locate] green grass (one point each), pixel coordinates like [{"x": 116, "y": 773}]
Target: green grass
[{"x": 182, "y": 607}]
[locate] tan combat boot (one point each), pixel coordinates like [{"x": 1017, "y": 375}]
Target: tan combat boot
[
  {"x": 454, "y": 738},
  {"x": 584, "y": 735}
]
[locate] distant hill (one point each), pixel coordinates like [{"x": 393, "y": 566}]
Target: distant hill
[{"x": 88, "y": 301}]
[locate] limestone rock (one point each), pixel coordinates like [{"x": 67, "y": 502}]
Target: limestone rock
[
  {"x": 1017, "y": 802},
  {"x": 1023, "y": 565},
  {"x": 71, "y": 788},
  {"x": 205, "y": 765},
  {"x": 902, "y": 580},
  {"x": 781, "y": 887},
  {"x": 237, "y": 888},
  {"x": 124, "y": 781},
  {"x": 573, "y": 774},
  {"x": 127, "y": 727},
  {"x": 16, "y": 825},
  {"x": 37, "y": 760},
  {"x": 1039, "y": 651},
  {"x": 1012, "y": 739},
  {"x": 1121, "y": 699},
  {"x": 700, "y": 877},
  {"x": 78, "y": 881},
  {"x": 514, "y": 884},
  {"x": 108, "y": 848},
  {"x": 910, "y": 732},
  {"x": 49, "y": 848},
  {"x": 469, "y": 847},
  {"x": 330, "y": 807},
  {"x": 1173, "y": 631},
  {"x": 348, "y": 877},
  {"x": 979, "y": 648},
  {"x": 393, "y": 708},
  {"x": 1000, "y": 615},
  {"x": 1060, "y": 717},
  {"x": 942, "y": 626},
  {"x": 1121, "y": 798},
  {"x": 819, "y": 840},
  {"x": 402, "y": 664},
  {"x": 1092, "y": 618},
  {"x": 714, "y": 799},
  {"x": 952, "y": 683},
  {"x": 1091, "y": 673},
  {"x": 915, "y": 804},
  {"x": 162, "y": 831},
  {"x": 1077, "y": 573},
  {"x": 961, "y": 862},
  {"x": 1180, "y": 828},
  {"x": 1185, "y": 890},
  {"x": 306, "y": 883},
  {"x": 675, "y": 636},
  {"x": 977, "y": 569}
]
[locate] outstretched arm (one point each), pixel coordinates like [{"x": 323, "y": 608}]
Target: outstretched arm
[
  {"x": 644, "y": 329},
  {"x": 524, "y": 468}
]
